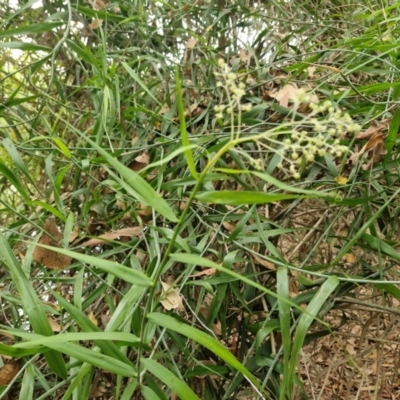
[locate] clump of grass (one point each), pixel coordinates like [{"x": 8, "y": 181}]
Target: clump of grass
[{"x": 219, "y": 212}]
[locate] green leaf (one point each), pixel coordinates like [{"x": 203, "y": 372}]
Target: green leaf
[
  {"x": 49, "y": 208},
  {"x": 61, "y": 344},
  {"x": 31, "y": 305},
  {"x": 282, "y": 280},
  {"x": 30, "y": 29},
  {"x": 388, "y": 288},
  {"x": 169, "y": 379},
  {"x": 83, "y": 52},
  {"x": 61, "y": 145},
  {"x": 17, "y": 353},
  {"x": 62, "y": 338},
  {"x": 236, "y": 198},
  {"x": 105, "y": 15},
  {"x": 149, "y": 196},
  {"x": 136, "y": 77},
  {"x": 14, "y": 180},
  {"x": 107, "y": 347},
  {"x": 28, "y": 383},
  {"x": 15, "y": 101},
  {"x": 182, "y": 123},
  {"x": 24, "y": 46},
  {"x": 307, "y": 318},
  {"x": 120, "y": 271},
  {"x": 13, "y": 152},
  {"x": 205, "y": 340}
]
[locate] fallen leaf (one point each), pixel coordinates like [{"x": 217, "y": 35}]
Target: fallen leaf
[
  {"x": 49, "y": 258},
  {"x": 143, "y": 158},
  {"x": 206, "y": 272},
  {"x": 245, "y": 56},
  {"x": 135, "y": 231},
  {"x": 55, "y": 326},
  {"x": 137, "y": 165},
  {"x": 96, "y": 23},
  {"x": 264, "y": 263},
  {"x": 311, "y": 71},
  {"x": 217, "y": 328},
  {"x": 228, "y": 226},
  {"x": 374, "y": 150},
  {"x": 375, "y": 128},
  {"x": 190, "y": 44},
  {"x": 170, "y": 298},
  {"x": 8, "y": 372},
  {"x": 97, "y": 4},
  {"x": 164, "y": 109},
  {"x": 285, "y": 93},
  {"x": 143, "y": 210}
]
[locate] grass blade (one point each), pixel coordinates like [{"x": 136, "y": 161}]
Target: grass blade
[{"x": 31, "y": 305}]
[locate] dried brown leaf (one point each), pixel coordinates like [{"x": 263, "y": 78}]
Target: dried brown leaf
[
  {"x": 134, "y": 231},
  {"x": 374, "y": 149},
  {"x": 170, "y": 298},
  {"x": 245, "y": 56},
  {"x": 8, "y": 372},
  {"x": 55, "y": 326},
  {"x": 374, "y": 129},
  {"x": 205, "y": 272},
  {"x": 49, "y": 258},
  {"x": 143, "y": 210},
  {"x": 264, "y": 263},
  {"x": 96, "y": 23},
  {"x": 143, "y": 158},
  {"x": 190, "y": 44},
  {"x": 311, "y": 71},
  {"x": 97, "y": 4}
]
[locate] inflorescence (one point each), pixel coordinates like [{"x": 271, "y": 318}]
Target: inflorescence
[{"x": 305, "y": 139}]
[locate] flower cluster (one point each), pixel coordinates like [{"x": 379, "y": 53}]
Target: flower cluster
[
  {"x": 313, "y": 136},
  {"x": 234, "y": 91},
  {"x": 321, "y": 137}
]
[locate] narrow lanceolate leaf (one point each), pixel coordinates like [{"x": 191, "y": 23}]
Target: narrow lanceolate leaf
[
  {"x": 24, "y": 46},
  {"x": 17, "y": 160},
  {"x": 205, "y": 340},
  {"x": 182, "y": 123},
  {"x": 28, "y": 383},
  {"x": 61, "y": 344},
  {"x": 169, "y": 379},
  {"x": 235, "y": 198},
  {"x": 140, "y": 82},
  {"x": 62, "y": 338},
  {"x": 31, "y": 305},
  {"x": 307, "y": 318},
  {"x": 120, "y": 271},
  {"x": 107, "y": 347},
  {"x": 282, "y": 285},
  {"x": 147, "y": 194},
  {"x": 14, "y": 180},
  {"x": 30, "y": 29}
]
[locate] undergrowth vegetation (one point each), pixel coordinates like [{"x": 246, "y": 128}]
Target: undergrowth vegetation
[{"x": 199, "y": 199}]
